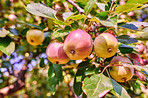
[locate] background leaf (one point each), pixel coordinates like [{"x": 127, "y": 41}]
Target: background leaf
[
  {"x": 125, "y": 49},
  {"x": 40, "y": 10},
  {"x": 7, "y": 45},
  {"x": 126, "y": 39},
  {"x": 89, "y": 6}
]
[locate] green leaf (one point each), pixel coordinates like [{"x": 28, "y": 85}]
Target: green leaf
[
  {"x": 119, "y": 91},
  {"x": 126, "y": 39},
  {"x": 76, "y": 17},
  {"x": 42, "y": 64},
  {"x": 102, "y": 15},
  {"x": 96, "y": 84},
  {"x": 127, "y": 7},
  {"x": 53, "y": 82},
  {"x": 67, "y": 14},
  {"x": 14, "y": 31},
  {"x": 137, "y": 1},
  {"x": 3, "y": 33},
  {"x": 6, "y": 64},
  {"x": 7, "y": 45},
  {"x": 101, "y": 6},
  {"x": 89, "y": 6},
  {"x": 58, "y": 33},
  {"x": 40, "y": 10},
  {"x": 50, "y": 71},
  {"x": 78, "y": 81},
  {"x": 129, "y": 26},
  {"x": 125, "y": 49},
  {"x": 58, "y": 71}
]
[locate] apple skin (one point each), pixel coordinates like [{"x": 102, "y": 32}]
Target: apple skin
[
  {"x": 121, "y": 73},
  {"x": 56, "y": 54},
  {"x": 35, "y": 37},
  {"x": 78, "y": 45},
  {"x": 137, "y": 60},
  {"x": 105, "y": 45}
]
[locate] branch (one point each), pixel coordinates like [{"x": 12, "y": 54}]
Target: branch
[
  {"x": 17, "y": 85},
  {"x": 81, "y": 11}
]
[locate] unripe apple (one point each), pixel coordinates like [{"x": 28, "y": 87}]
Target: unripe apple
[
  {"x": 137, "y": 60},
  {"x": 35, "y": 37},
  {"x": 105, "y": 45},
  {"x": 1, "y": 53},
  {"x": 121, "y": 73},
  {"x": 56, "y": 54},
  {"x": 78, "y": 45}
]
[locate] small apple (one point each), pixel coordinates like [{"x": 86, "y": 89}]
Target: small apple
[
  {"x": 140, "y": 48},
  {"x": 131, "y": 13},
  {"x": 119, "y": 72},
  {"x": 78, "y": 45},
  {"x": 1, "y": 53},
  {"x": 56, "y": 54},
  {"x": 137, "y": 60},
  {"x": 35, "y": 37},
  {"x": 105, "y": 45}
]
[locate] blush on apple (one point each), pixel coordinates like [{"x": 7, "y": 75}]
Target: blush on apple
[{"x": 78, "y": 44}]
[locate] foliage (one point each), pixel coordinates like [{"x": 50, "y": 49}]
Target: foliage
[{"x": 57, "y": 18}]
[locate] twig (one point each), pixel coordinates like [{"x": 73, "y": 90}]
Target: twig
[{"x": 81, "y": 11}]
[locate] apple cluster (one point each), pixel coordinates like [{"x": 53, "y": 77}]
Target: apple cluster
[{"x": 79, "y": 45}]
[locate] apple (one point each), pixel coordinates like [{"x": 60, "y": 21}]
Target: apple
[
  {"x": 140, "y": 48},
  {"x": 105, "y": 45},
  {"x": 35, "y": 37},
  {"x": 137, "y": 60},
  {"x": 56, "y": 54},
  {"x": 118, "y": 71},
  {"x": 78, "y": 45},
  {"x": 140, "y": 75}
]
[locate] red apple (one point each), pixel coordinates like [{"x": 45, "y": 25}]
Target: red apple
[
  {"x": 78, "y": 45},
  {"x": 56, "y": 54},
  {"x": 105, "y": 45}
]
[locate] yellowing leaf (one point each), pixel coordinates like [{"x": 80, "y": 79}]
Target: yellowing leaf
[{"x": 3, "y": 33}]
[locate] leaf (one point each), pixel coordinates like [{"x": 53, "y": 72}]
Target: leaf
[
  {"x": 3, "y": 32},
  {"x": 119, "y": 91},
  {"x": 125, "y": 49},
  {"x": 67, "y": 14},
  {"x": 32, "y": 25},
  {"x": 137, "y": 1},
  {"x": 126, "y": 39},
  {"x": 40, "y": 10},
  {"x": 101, "y": 6},
  {"x": 89, "y": 6},
  {"x": 127, "y": 7},
  {"x": 57, "y": 34},
  {"x": 96, "y": 84},
  {"x": 7, "y": 46},
  {"x": 58, "y": 71},
  {"x": 139, "y": 68},
  {"x": 76, "y": 17},
  {"x": 14, "y": 31},
  {"x": 50, "y": 71},
  {"x": 53, "y": 82},
  {"x": 79, "y": 77},
  {"x": 129, "y": 26},
  {"x": 78, "y": 81},
  {"x": 42, "y": 64},
  {"x": 102, "y": 15},
  {"x": 6, "y": 64}
]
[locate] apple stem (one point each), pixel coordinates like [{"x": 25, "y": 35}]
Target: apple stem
[
  {"x": 109, "y": 50},
  {"x": 57, "y": 62},
  {"x": 124, "y": 79},
  {"x": 72, "y": 51}
]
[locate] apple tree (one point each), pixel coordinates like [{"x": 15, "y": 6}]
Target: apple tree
[{"x": 98, "y": 48}]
